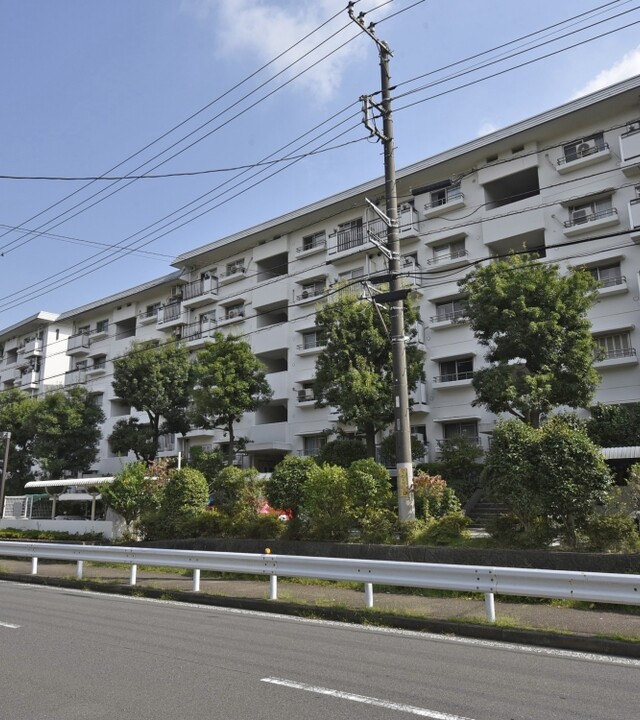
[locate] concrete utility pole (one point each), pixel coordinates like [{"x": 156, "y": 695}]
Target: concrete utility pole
[
  {"x": 5, "y": 464},
  {"x": 397, "y": 294}
]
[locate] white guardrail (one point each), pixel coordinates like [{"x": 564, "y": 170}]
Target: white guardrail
[{"x": 560, "y": 584}]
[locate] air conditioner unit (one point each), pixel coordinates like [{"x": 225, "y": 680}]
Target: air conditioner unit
[
  {"x": 580, "y": 216},
  {"x": 305, "y": 294},
  {"x": 176, "y": 291},
  {"x": 588, "y": 147}
]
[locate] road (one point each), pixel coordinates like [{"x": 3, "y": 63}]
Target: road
[{"x": 73, "y": 655}]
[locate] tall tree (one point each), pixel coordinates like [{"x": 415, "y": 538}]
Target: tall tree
[
  {"x": 615, "y": 425},
  {"x": 533, "y": 322},
  {"x": 354, "y": 371},
  {"x": 230, "y": 381},
  {"x": 156, "y": 380},
  {"x": 67, "y": 432},
  {"x": 16, "y": 416}
]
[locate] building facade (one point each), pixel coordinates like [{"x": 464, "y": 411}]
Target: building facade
[{"x": 565, "y": 184}]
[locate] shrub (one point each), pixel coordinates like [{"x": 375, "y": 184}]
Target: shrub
[
  {"x": 611, "y": 533},
  {"x": 327, "y": 503},
  {"x": 236, "y": 490},
  {"x": 444, "y": 531},
  {"x": 284, "y": 489},
  {"x": 185, "y": 497},
  {"x": 433, "y": 498},
  {"x": 341, "y": 452},
  {"x": 210, "y": 463},
  {"x": 388, "y": 449},
  {"x": 509, "y": 531},
  {"x": 258, "y": 527}
]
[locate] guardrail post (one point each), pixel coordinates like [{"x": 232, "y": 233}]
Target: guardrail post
[
  {"x": 273, "y": 587},
  {"x": 133, "y": 576},
  {"x": 196, "y": 580},
  {"x": 34, "y": 565},
  {"x": 490, "y": 607},
  {"x": 368, "y": 595},
  {"x": 79, "y": 569}
]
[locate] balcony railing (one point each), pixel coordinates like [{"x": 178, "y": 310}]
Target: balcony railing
[
  {"x": 450, "y": 316},
  {"x": 312, "y": 244},
  {"x": 449, "y": 257},
  {"x": 452, "y": 195},
  {"x": 348, "y": 239},
  {"x": 454, "y": 377},
  {"x": 579, "y": 218},
  {"x": 78, "y": 344},
  {"x": 311, "y": 292},
  {"x": 306, "y": 395},
  {"x": 612, "y": 281},
  {"x": 586, "y": 151},
  {"x": 604, "y": 354}
]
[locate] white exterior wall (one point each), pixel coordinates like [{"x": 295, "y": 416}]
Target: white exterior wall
[{"x": 266, "y": 269}]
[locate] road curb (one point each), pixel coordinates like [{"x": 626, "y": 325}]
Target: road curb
[{"x": 539, "y": 638}]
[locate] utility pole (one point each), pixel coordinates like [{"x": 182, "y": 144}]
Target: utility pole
[
  {"x": 3, "y": 481},
  {"x": 404, "y": 466}
]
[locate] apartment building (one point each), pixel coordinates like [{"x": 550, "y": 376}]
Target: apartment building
[{"x": 565, "y": 184}]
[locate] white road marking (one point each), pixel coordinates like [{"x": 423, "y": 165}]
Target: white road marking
[
  {"x": 9, "y": 625},
  {"x": 422, "y": 712}
]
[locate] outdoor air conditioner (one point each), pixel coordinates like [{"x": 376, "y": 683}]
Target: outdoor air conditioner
[
  {"x": 580, "y": 216},
  {"x": 176, "y": 291},
  {"x": 588, "y": 147}
]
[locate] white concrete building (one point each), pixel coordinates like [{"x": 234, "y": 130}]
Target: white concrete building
[{"x": 565, "y": 183}]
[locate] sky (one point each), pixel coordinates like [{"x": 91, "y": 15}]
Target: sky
[{"x": 204, "y": 90}]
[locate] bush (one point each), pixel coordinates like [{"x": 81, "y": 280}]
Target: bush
[
  {"x": 444, "y": 531},
  {"x": 509, "y": 531},
  {"x": 185, "y": 497},
  {"x": 236, "y": 490},
  {"x": 611, "y": 533},
  {"x": 210, "y": 463},
  {"x": 258, "y": 527},
  {"x": 433, "y": 498},
  {"x": 284, "y": 489},
  {"x": 341, "y": 452},
  {"x": 327, "y": 503}
]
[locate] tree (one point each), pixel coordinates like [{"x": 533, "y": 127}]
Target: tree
[
  {"x": 354, "y": 372},
  {"x": 554, "y": 471},
  {"x": 185, "y": 497},
  {"x": 230, "y": 381},
  {"x": 156, "y": 380},
  {"x": 284, "y": 489},
  {"x": 532, "y": 320},
  {"x": 130, "y": 435},
  {"x": 132, "y": 492},
  {"x": 67, "y": 432},
  {"x": 615, "y": 425},
  {"x": 16, "y": 416},
  {"x": 342, "y": 451}
]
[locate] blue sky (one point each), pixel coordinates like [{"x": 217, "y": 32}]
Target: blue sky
[{"x": 87, "y": 85}]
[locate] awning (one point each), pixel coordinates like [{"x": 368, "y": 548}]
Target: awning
[
  {"x": 628, "y": 452},
  {"x": 70, "y": 482}
]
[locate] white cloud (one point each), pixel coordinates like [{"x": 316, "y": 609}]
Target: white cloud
[
  {"x": 263, "y": 29},
  {"x": 486, "y": 129},
  {"x": 625, "y": 68}
]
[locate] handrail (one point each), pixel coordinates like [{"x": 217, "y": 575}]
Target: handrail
[{"x": 560, "y": 584}]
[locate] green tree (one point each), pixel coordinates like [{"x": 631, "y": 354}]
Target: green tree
[
  {"x": 615, "y": 425},
  {"x": 285, "y": 487},
  {"x": 16, "y": 416},
  {"x": 133, "y": 492},
  {"x": 130, "y": 435},
  {"x": 185, "y": 497},
  {"x": 371, "y": 500},
  {"x": 156, "y": 380},
  {"x": 327, "y": 503},
  {"x": 342, "y": 452},
  {"x": 354, "y": 370},
  {"x": 554, "y": 471},
  {"x": 67, "y": 432},
  {"x": 533, "y": 322},
  {"x": 230, "y": 381}
]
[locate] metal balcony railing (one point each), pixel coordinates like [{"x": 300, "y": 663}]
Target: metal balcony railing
[
  {"x": 454, "y": 377},
  {"x": 581, "y": 218},
  {"x": 449, "y": 316},
  {"x": 583, "y": 152},
  {"x": 605, "y": 354}
]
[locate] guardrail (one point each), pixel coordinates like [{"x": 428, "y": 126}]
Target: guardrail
[{"x": 560, "y": 584}]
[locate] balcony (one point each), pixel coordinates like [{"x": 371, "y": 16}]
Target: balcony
[
  {"x": 169, "y": 316},
  {"x": 634, "y": 219},
  {"x": 232, "y": 273},
  {"x": 586, "y": 154},
  {"x": 448, "y": 318},
  {"x": 615, "y": 285},
  {"x": 96, "y": 370},
  {"x": 75, "y": 377},
  {"x": 347, "y": 241},
  {"x": 310, "y": 345},
  {"x": 101, "y": 332},
  {"x": 146, "y": 317},
  {"x": 453, "y": 259},
  {"x": 78, "y": 344},
  {"x": 582, "y": 221},
  {"x": 312, "y": 244},
  {"x": 31, "y": 348},
  {"x": 310, "y": 293},
  {"x": 614, "y": 358},
  {"x": 28, "y": 380},
  {"x": 306, "y": 396},
  {"x": 195, "y": 334},
  {"x": 452, "y": 380},
  {"x": 448, "y": 200},
  {"x": 630, "y": 149},
  {"x": 200, "y": 292}
]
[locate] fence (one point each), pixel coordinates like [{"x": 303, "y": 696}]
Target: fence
[{"x": 559, "y": 584}]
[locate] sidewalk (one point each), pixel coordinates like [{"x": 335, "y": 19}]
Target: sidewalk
[{"x": 588, "y": 629}]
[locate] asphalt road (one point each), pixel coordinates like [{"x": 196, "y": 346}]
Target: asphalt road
[{"x": 72, "y": 655}]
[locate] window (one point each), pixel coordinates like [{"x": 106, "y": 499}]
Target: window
[
  {"x": 313, "y": 444},
  {"x": 99, "y": 362},
  {"x": 311, "y": 340},
  {"x": 444, "y": 196},
  {"x": 235, "y": 311},
  {"x": 152, "y": 310},
  {"x": 449, "y": 310},
  {"x": 102, "y": 326},
  {"x": 589, "y": 211},
  {"x": 465, "y": 428},
  {"x": 449, "y": 251},
  {"x": 615, "y": 345},
  {"x": 454, "y": 370},
  {"x": 583, "y": 148},
  {"x": 349, "y": 235},
  {"x": 235, "y": 267},
  {"x": 608, "y": 275},
  {"x": 84, "y": 330},
  {"x": 311, "y": 242}
]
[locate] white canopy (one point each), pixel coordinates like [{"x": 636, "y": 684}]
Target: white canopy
[
  {"x": 622, "y": 453},
  {"x": 70, "y": 482}
]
